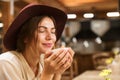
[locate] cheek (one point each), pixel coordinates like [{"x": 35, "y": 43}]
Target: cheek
[
  {"x": 41, "y": 36},
  {"x": 54, "y": 38},
  {"x": 41, "y": 39}
]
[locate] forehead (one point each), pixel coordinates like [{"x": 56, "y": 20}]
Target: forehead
[{"x": 46, "y": 21}]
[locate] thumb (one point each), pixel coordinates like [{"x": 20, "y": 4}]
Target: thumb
[{"x": 47, "y": 54}]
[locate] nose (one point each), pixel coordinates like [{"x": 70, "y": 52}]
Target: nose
[{"x": 49, "y": 35}]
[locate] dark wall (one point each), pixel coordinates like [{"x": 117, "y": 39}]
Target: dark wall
[
  {"x": 85, "y": 31},
  {"x": 113, "y": 34}
]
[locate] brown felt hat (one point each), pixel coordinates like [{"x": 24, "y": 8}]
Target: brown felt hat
[{"x": 26, "y": 13}]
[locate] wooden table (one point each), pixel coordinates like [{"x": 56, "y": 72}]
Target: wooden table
[{"x": 94, "y": 75}]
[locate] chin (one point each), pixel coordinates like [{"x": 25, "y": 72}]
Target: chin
[{"x": 45, "y": 50}]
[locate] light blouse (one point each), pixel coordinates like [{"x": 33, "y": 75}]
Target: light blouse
[{"x": 13, "y": 66}]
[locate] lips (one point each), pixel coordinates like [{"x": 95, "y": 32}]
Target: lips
[{"x": 49, "y": 45}]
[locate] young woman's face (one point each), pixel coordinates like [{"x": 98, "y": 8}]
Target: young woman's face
[{"x": 46, "y": 35}]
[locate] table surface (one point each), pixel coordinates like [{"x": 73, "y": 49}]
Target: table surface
[{"x": 94, "y": 75}]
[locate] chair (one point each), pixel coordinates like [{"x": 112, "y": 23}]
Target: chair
[
  {"x": 71, "y": 72},
  {"x": 99, "y": 60}
]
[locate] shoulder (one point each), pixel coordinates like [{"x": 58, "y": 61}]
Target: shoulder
[
  {"x": 10, "y": 66},
  {"x": 10, "y": 60},
  {"x": 9, "y": 57}
]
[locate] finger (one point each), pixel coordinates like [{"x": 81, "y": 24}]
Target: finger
[
  {"x": 55, "y": 54},
  {"x": 71, "y": 52},
  {"x": 48, "y": 54},
  {"x": 63, "y": 60},
  {"x": 70, "y": 57},
  {"x": 66, "y": 65},
  {"x": 60, "y": 57}
]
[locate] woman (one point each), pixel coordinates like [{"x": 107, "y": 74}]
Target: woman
[{"x": 34, "y": 32}]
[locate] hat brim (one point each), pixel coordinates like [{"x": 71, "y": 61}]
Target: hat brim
[{"x": 10, "y": 38}]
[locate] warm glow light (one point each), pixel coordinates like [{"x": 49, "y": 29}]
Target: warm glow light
[
  {"x": 86, "y": 44},
  {"x": 78, "y": 2},
  {"x": 5, "y": 0},
  {"x": 11, "y": 7},
  {"x": 113, "y": 14},
  {"x": 8, "y": 0},
  {"x": 98, "y": 40},
  {"x": 1, "y": 25},
  {"x": 88, "y": 15},
  {"x": 71, "y": 16},
  {"x": 0, "y": 14}
]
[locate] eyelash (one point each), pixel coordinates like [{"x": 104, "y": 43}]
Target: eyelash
[
  {"x": 42, "y": 31},
  {"x": 53, "y": 32}
]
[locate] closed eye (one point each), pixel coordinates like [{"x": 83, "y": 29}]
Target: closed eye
[
  {"x": 42, "y": 29},
  {"x": 53, "y": 31}
]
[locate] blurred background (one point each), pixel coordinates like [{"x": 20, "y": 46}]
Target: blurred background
[{"x": 93, "y": 27}]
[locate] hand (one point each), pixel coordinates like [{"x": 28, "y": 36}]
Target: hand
[
  {"x": 58, "y": 60},
  {"x": 67, "y": 64}
]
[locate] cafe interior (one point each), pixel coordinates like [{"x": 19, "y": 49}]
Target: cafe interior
[{"x": 92, "y": 31}]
